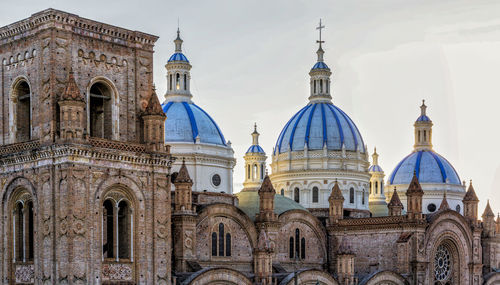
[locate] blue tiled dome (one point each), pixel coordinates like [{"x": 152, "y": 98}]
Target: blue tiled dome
[
  {"x": 375, "y": 168},
  {"x": 320, "y": 65},
  {"x": 429, "y": 167},
  {"x": 178, "y": 56},
  {"x": 185, "y": 121},
  {"x": 423, "y": 118},
  {"x": 318, "y": 124},
  {"x": 255, "y": 149}
]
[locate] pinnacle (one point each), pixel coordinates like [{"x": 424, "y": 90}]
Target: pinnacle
[
  {"x": 267, "y": 186},
  {"x": 471, "y": 194},
  {"x": 72, "y": 92},
  {"x": 183, "y": 175},
  {"x": 154, "y": 106},
  {"x": 444, "y": 204},
  {"x": 395, "y": 201},
  {"x": 487, "y": 211},
  {"x": 336, "y": 192},
  {"x": 414, "y": 185}
]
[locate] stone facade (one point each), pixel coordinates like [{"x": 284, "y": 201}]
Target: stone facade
[{"x": 60, "y": 176}]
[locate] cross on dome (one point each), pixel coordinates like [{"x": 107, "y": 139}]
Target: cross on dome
[{"x": 320, "y": 51}]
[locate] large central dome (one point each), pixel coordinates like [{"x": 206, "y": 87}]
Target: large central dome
[{"x": 318, "y": 125}]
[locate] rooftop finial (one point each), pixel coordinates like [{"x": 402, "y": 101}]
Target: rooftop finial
[
  {"x": 255, "y": 135},
  {"x": 178, "y": 40},
  {"x": 423, "y": 108},
  {"x": 320, "y": 51},
  {"x": 375, "y": 157}
]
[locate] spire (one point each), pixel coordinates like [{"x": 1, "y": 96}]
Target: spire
[
  {"x": 488, "y": 213},
  {"x": 183, "y": 175},
  {"x": 320, "y": 74},
  {"x": 320, "y": 51},
  {"x": 444, "y": 203},
  {"x": 178, "y": 41},
  {"x": 423, "y": 108},
  {"x": 267, "y": 186},
  {"x": 72, "y": 92},
  {"x": 395, "y": 201},
  {"x": 375, "y": 157},
  {"x": 255, "y": 135},
  {"x": 471, "y": 194},
  {"x": 154, "y": 106},
  {"x": 336, "y": 192},
  {"x": 414, "y": 186}
]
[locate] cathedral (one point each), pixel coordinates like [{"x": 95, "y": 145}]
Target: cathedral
[{"x": 103, "y": 181}]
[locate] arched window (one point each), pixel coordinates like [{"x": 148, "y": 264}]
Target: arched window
[
  {"x": 303, "y": 248},
  {"x": 351, "y": 195},
  {"x": 185, "y": 82},
  {"x": 221, "y": 241},
  {"x": 371, "y": 183},
  {"x": 214, "y": 244},
  {"x": 315, "y": 194},
  {"x": 363, "y": 197},
  {"x": 117, "y": 227},
  {"x": 419, "y": 136},
  {"x": 376, "y": 187},
  {"x": 321, "y": 85},
  {"x": 314, "y": 86},
  {"x": 282, "y": 192},
  {"x": 297, "y": 246},
  {"x": 22, "y": 228},
  {"x": 248, "y": 170},
  {"x": 381, "y": 187},
  {"x": 262, "y": 171},
  {"x": 327, "y": 86},
  {"x": 23, "y": 111},
  {"x": 254, "y": 171},
  {"x": 296, "y": 195},
  {"x": 177, "y": 81},
  {"x": 425, "y": 135},
  {"x": 100, "y": 111},
  {"x": 170, "y": 82}
]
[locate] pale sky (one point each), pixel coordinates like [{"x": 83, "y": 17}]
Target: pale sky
[{"x": 251, "y": 61}]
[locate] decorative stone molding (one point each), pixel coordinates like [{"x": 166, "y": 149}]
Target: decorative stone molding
[{"x": 117, "y": 272}]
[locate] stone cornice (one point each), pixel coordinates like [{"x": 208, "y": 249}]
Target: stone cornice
[
  {"x": 51, "y": 18},
  {"x": 80, "y": 153},
  {"x": 372, "y": 223}
]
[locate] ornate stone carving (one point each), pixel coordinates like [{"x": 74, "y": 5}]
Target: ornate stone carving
[
  {"x": 79, "y": 227},
  {"x": 117, "y": 272},
  {"x": 25, "y": 274}
]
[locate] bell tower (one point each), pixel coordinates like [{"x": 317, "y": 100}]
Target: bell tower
[{"x": 178, "y": 74}]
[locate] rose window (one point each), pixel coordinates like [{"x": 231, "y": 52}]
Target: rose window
[{"x": 442, "y": 264}]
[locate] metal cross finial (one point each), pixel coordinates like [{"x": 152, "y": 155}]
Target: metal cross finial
[{"x": 320, "y": 27}]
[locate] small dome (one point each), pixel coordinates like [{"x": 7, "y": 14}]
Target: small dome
[
  {"x": 320, "y": 65},
  {"x": 255, "y": 149},
  {"x": 178, "y": 56},
  {"x": 248, "y": 202},
  {"x": 423, "y": 118},
  {"x": 186, "y": 121},
  {"x": 375, "y": 168},
  {"x": 429, "y": 167},
  {"x": 318, "y": 124}
]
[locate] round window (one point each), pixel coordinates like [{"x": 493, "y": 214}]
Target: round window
[
  {"x": 458, "y": 208},
  {"x": 442, "y": 264},
  {"x": 431, "y": 207},
  {"x": 216, "y": 180}
]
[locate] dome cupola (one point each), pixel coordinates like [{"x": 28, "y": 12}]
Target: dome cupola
[
  {"x": 435, "y": 174},
  {"x": 319, "y": 145},
  {"x": 191, "y": 131}
]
